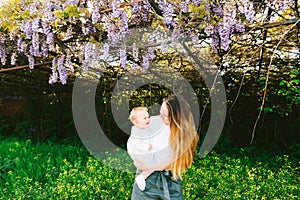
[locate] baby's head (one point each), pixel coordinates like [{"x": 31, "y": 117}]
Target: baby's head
[{"x": 139, "y": 116}]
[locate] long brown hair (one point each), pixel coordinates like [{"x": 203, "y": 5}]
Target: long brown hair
[{"x": 183, "y": 135}]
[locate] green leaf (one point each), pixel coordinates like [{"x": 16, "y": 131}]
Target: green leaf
[
  {"x": 296, "y": 81},
  {"x": 282, "y": 83}
]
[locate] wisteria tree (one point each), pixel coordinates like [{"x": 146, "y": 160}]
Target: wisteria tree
[
  {"x": 254, "y": 44},
  {"x": 65, "y": 33}
]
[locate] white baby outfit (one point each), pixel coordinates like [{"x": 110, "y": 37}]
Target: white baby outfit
[{"x": 157, "y": 134}]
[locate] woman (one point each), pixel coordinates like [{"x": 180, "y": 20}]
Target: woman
[{"x": 181, "y": 139}]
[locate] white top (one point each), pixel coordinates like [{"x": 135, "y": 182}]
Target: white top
[
  {"x": 139, "y": 140},
  {"x": 157, "y": 134}
]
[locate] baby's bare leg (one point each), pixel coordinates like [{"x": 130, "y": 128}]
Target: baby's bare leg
[{"x": 141, "y": 179}]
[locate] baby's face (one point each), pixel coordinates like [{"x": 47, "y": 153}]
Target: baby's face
[{"x": 142, "y": 119}]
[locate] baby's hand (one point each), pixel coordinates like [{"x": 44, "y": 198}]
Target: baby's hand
[{"x": 149, "y": 147}]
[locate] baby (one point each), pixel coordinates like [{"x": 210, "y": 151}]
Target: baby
[{"x": 139, "y": 142}]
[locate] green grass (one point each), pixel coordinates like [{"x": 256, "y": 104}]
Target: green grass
[{"x": 35, "y": 170}]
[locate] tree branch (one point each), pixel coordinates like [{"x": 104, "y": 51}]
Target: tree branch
[
  {"x": 155, "y": 7},
  {"x": 273, "y": 24},
  {"x": 23, "y": 67},
  {"x": 266, "y": 83},
  {"x": 263, "y": 46}
]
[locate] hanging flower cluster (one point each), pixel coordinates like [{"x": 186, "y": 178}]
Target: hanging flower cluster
[{"x": 64, "y": 30}]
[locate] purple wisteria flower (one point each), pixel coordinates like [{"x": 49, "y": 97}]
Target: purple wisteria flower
[
  {"x": 63, "y": 75},
  {"x": 46, "y": 27},
  {"x": 19, "y": 42},
  {"x": 88, "y": 51},
  {"x": 135, "y": 52},
  {"x": 26, "y": 28},
  {"x": 37, "y": 34},
  {"x": 218, "y": 10},
  {"x": 145, "y": 10},
  {"x": 54, "y": 65},
  {"x": 87, "y": 29},
  {"x": 72, "y": 2},
  {"x": 31, "y": 50},
  {"x": 48, "y": 14},
  {"x": 151, "y": 53},
  {"x": 168, "y": 11},
  {"x": 2, "y": 39},
  {"x": 105, "y": 51},
  {"x": 185, "y": 6},
  {"x": 69, "y": 64},
  {"x": 115, "y": 37},
  {"x": 13, "y": 59},
  {"x": 115, "y": 5},
  {"x": 197, "y": 2},
  {"x": 44, "y": 49},
  {"x": 146, "y": 61},
  {"x": 2, "y": 49},
  {"x": 35, "y": 47},
  {"x": 239, "y": 27},
  {"x": 33, "y": 8},
  {"x": 23, "y": 3},
  {"x": 134, "y": 66},
  {"x": 54, "y": 76},
  {"x": 123, "y": 57},
  {"x": 23, "y": 47},
  {"x": 145, "y": 16},
  {"x": 135, "y": 6},
  {"x": 279, "y": 5},
  {"x": 224, "y": 33},
  {"x": 124, "y": 20},
  {"x": 3, "y": 54},
  {"x": 95, "y": 12},
  {"x": 35, "y": 24},
  {"x": 247, "y": 9},
  {"x": 95, "y": 16},
  {"x": 229, "y": 13},
  {"x": 3, "y": 60},
  {"x": 31, "y": 61},
  {"x": 50, "y": 38}
]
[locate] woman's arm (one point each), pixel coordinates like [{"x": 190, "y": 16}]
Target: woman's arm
[
  {"x": 161, "y": 153},
  {"x": 143, "y": 167},
  {"x": 157, "y": 161}
]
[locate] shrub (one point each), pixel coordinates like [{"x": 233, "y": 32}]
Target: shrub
[{"x": 34, "y": 170}]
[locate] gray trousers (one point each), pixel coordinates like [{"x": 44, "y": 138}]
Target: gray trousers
[{"x": 159, "y": 186}]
